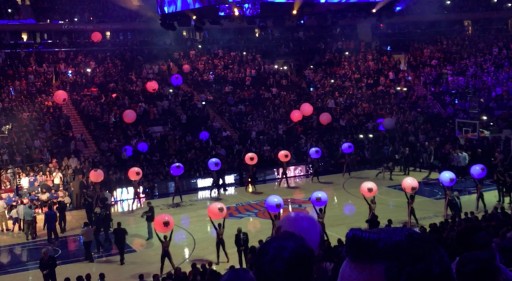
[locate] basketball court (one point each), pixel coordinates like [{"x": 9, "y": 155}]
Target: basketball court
[{"x": 194, "y": 237}]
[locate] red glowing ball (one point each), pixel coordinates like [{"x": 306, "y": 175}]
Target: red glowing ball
[
  {"x": 60, "y": 97},
  {"x": 251, "y": 158},
  {"x": 129, "y": 116},
  {"x": 217, "y": 211},
  {"x": 135, "y": 173},
  {"x": 96, "y": 37},
  {"x": 186, "y": 68},
  {"x": 164, "y": 223},
  {"x": 296, "y": 115},
  {"x": 368, "y": 189},
  {"x": 96, "y": 175},
  {"x": 410, "y": 185},
  {"x": 284, "y": 156},
  {"x": 152, "y": 86},
  {"x": 325, "y": 118},
  {"x": 306, "y": 109}
]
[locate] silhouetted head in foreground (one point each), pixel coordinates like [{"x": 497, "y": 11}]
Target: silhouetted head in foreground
[{"x": 393, "y": 254}]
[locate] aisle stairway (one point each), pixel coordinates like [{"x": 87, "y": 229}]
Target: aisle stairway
[{"x": 79, "y": 129}]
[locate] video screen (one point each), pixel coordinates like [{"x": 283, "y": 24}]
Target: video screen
[
  {"x": 230, "y": 7},
  {"x": 172, "y": 6}
]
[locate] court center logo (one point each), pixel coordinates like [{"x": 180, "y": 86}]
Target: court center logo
[{"x": 257, "y": 208}]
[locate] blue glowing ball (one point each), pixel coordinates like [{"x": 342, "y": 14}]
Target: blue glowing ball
[
  {"x": 274, "y": 203},
  {"x": 347, "y": 148},
  {"x": 381, "y": 127},
  {"x": 315, "y": 152},
  {"x": 177, "y": 169},
  {"x": 128, "y": 150},
  {"x": 380, "y": 120},
  {"x": 478, "y": 171},
  {"x": 447, "y": 178},
  {"x": 319, "y": 199},
  {"x": 214, "y": 164},
  {"x": 204, "y": 136},
  {"x": 142, "y": 147},
  {"x": 176, "y": 80}
]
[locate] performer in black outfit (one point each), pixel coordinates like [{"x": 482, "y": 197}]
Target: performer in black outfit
[
  {"x": 242, "y": 246},
  {"x": 136, "y": 193},
  {"x": 372, "y": 206},
  {"x": 320, "y": 216},
  {"x": 215, "y": 183},
  {"x": 251, "y": 179},
  {"x": 316, "y": 170},
  {"x": 479, "y": 194},
  {"x": 120, "y": 234},
  {"x": 410, "y": 207},
  {"x": 284, "y": 175},
  {"x": 275, "y": 219},
  {"x": 177, "y": 189},
  {"x": 166, "y": 254},
  {"x": 219, "y": 230}
]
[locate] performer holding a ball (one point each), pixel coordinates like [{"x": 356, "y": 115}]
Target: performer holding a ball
[
  {"x": 166, "y": 253},
  {"x": 219, "y": 230}
]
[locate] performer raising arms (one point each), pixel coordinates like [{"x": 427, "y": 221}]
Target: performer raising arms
[
  {"x": 219, "y": 230},
  {"x": 275, "y": 219},
  {"x": 320, "y": 215},
  {"x": 166, "y": 254},
  {"x": 410, "y": 208},
  {"x": 372, "y": 206}
]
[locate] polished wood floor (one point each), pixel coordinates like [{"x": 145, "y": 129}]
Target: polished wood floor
[{"x": 194, "y": 238}]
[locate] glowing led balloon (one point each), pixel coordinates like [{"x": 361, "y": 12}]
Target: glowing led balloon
[
  {"x": 96, "y": 37},
  {"x": 389, "y": 123},
  {"x": 410, "y": 185},
  {"x": 325, "y": 118},
  {"x": 306, "y": 109},
  {"x": 135, "y": 173},
  {"x": 319, "y": 199},
  {"x": 96, "y": 175},
  {"x": 296, "y": 116},
  {"x": 217, "y": 211},
  {"x": 152, "y": 86},
  {"x": 251, "y": 158},
  {"x": 186, "y": 68},
  {"x": 274, "y": 203},
  {"x": 380, "y": 120},
  {"x": 447, "y": 178},
  {"x": 129, "y": 116},
  {"x": 347, "y": 148},
  {"x": 128, "y": 150},
  {"x": 176, "y": 80},
  {"x": 177, "y": 169},
  {"x": 214, "y": 164},
  {"x": 478, "y": 171},
  {"x": 164, "y": 223},
  {"x": 142, "y": 146},
  {"x": 315, "y": 152},
  {"x": 204, "y": 136},
  {"x": 284, "y": 156},
  {"x": 60, "y": 97},
  {"x": 381, "y": 127},
  {"x": 368, "y": 189}
]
